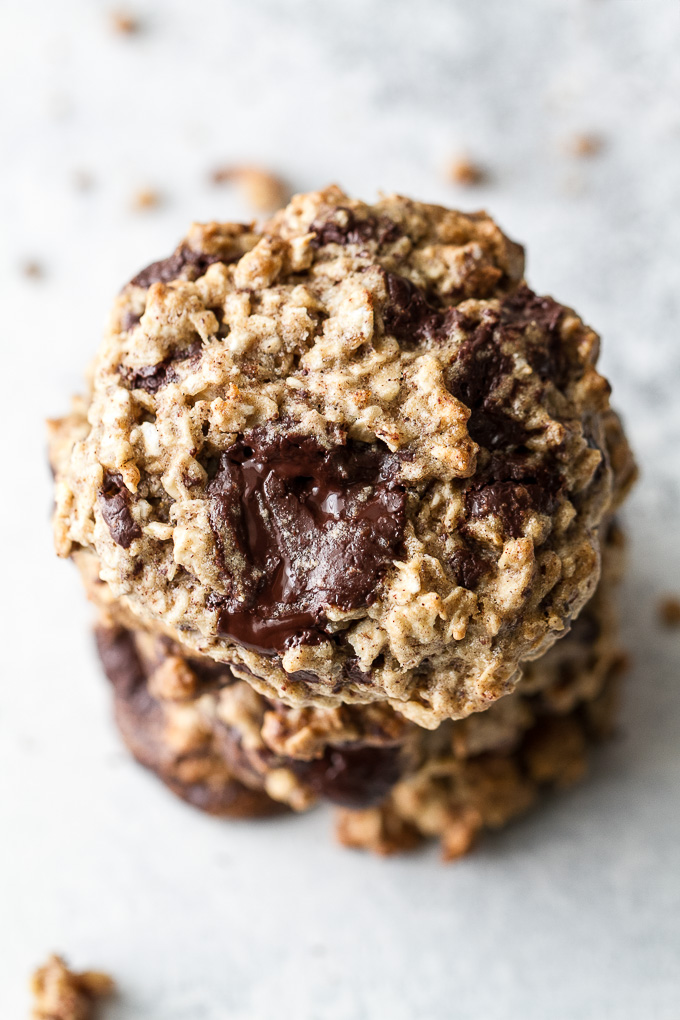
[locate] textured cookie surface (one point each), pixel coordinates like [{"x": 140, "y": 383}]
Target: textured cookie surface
[
  {"x": 208, "y": 734},
  {"x": 351, "y": 452}
]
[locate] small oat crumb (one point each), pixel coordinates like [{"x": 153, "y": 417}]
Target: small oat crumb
[
  {"x": 146, "y": 198},
  {"x": 124, "y": 22},
  {"x": 584, "y": 145},
  {"x": 463, "y": 171},
  {"x": 669, "y": 611},
  {"x": 263, "y": 190},
  {"x": 61, "y": 994},
  {"x": 82, "y": 180},
  {"x": 33, "y": 270}
]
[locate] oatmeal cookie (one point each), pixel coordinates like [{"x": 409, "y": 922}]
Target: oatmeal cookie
[
  {"x": 199, "y": 726},
  {"x": 350, "y": 452}
]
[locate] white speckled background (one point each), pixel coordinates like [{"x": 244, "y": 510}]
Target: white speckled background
[{"x": 572, "y": 913}]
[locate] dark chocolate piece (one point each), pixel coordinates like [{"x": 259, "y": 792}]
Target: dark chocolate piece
[
  {"x": 129, "y": 320},
  {"x": 512, "y": 486},
  {"x": 352, "y": 776},
  {"x": 114, "y": 503},
  {"x": 478, "y": 370},
  {"x": 468, "y": 567},
  {"x": 120, "y": 660},
  {"x": 152, "y": 378},
  {"x": 411, "y": 318},
  {"x": 344, "y": 227},
  {"x": 300, "y": 527},
  {"x": 196, "y": 262},
  {"x": 547, "y": 358}
]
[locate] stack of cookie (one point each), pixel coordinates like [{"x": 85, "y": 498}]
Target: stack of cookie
[{"x": 343, "y": 491}]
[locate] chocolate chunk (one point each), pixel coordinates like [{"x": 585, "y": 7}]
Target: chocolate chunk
[
  {"x": 547, "y": 357},
  {"x": 114, "y": 501},
  {"x": 504, "y": 499},
  {"x": 468, "y": 567},
  {"x": 129, "y": 320},
  {"x": 351, "y": 671},
  {"x": 185, "y": 258},
  {"x": 409, "y": 316},
  {"x": 344, "y": 227},
  {"x": 152, "y": 378},
  {"x": 479, "y": 369},
  {"x": 512, "y": 487},
  {"x": 120, "y": 660},
  {"x": 298, "y": 528},
  {"x": 352, "y": 776}
]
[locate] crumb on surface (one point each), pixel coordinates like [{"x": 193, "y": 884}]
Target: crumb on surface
[
  {"x": 262, "y": 189},
  {"x": 32, "y": 269},
  {"x": 62, "y": 994},
  {"x": 584, "y": 145},
  {"x": 82, "y": 180},
  {"x": 146, "y": 198},
  {"x": 124, "y": 22},
  {"x": 465, "y": 171},
  {"x": 669, "y": 611}
]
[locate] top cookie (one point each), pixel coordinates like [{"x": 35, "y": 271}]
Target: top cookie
[{"x": 350, "y": 453}]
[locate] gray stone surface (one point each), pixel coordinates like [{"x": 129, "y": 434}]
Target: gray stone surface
[{"x": 572, "y": 913}]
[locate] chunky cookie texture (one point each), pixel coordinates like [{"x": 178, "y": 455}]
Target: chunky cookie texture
[
  {"x": 351, "y": 453},
  {"x": 226, "y": 749}
]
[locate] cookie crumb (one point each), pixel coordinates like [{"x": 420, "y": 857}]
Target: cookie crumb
[
  {"x": 464, "y": 171},
  {"x": 82, "y": 180},
  {"x": 33, "y": 270},
  {"x": 669, "y": 611},
  {"x": 146, "y": 198},
  {"x": 263, "y": 190},
  {"x": 124, "y": 23},
  {"x": 584, "y": 145},
  {"x": 61, "y": 994}
]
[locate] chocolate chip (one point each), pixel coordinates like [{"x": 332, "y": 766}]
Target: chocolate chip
[
  {"x": 514, "y": 485},
  {"x": 546, "y": 356},
  {"x": 344, "y": 227},
  {"x": 351, "y": 671},
  {"x": 353, "y": 776},
  {"x": 409, "y": 316},
  {"x": 114, "y": 503},
  {"x": 298, "y": 528},
  {"x": 468, "y": 567},
  {"x": 185, "y": 258},
  {"x": 152, "y": 378},
  {"x": 129, "y": 320},
  {"x": 120, "y": 660},
  {"x": 479, "y": 369}
]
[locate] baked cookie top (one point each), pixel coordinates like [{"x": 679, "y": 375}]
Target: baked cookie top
[{"x": 350, "y": 452}]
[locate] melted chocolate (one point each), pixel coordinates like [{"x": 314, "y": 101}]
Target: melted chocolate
[
  {"x": 299, "y": 528},
  {"x": 344, "y": 227},
  {"x": 114, "y": 503},
  {"x": 352, "y": 776}
]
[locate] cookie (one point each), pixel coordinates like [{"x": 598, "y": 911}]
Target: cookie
[
  {"x": 350, "y": 452},
  {"x": 401, "y": 778},
  {"x": 182, "y": 750}
]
